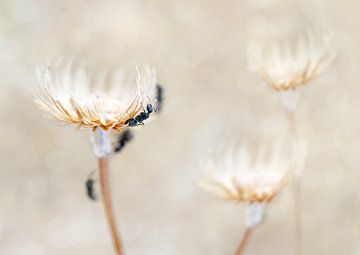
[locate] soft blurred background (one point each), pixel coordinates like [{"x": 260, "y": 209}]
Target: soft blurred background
[{"x": 199, "y": 51}]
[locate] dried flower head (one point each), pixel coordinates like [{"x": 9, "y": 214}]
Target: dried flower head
[
  {"x": 285, "y": 65},
  {"x": 236, "y": 176},
  {"x": 70, "y": 95}
]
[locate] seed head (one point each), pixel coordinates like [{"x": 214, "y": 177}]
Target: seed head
[
  {"x": 237, "y": 177},
  {"x": 70, "y": 95},
  {"x": 289, "y": 64}
]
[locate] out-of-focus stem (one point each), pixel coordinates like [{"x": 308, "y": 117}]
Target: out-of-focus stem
[
  {"x": 253, "y": 219},
  {"x": 105, "y": 189},
  {"x": 297, "y": 195},
  {"x": 245, "y": 241},
  {"x": 298, "y": 220}
]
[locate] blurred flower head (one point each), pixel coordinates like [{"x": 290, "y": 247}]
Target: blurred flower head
[
  {"x": 71, "y": 95},
  {"x": 240, "y": 177},
  {"x": 289, "y": 64}
]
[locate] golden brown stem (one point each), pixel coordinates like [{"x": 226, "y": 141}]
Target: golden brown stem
[
  {"x": 105, "y": 189},
  {"x": 245, "y": 241}
]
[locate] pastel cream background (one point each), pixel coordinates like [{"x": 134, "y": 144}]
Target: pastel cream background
[{"x": 199, "y": 51}]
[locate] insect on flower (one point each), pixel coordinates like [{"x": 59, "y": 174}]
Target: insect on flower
[
  {"x": 70, "y": 95},
  {"x": 122, "y": 140},
  {"x": 102, "y": 103},
  {"x": 145, "y": 114},
  {"x": 138, "y": 120}
]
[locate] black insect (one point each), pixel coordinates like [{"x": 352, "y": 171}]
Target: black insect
[
  {"x": 149, "y": 108},
  {"x": 135, "y": 121},
  {"x": 144, "y": 115},
  {"x": 139, "y": 119},
  {"x": 159, "y": 98},
  {"x": 131, "y": 122},
  {"x": 90, "y": 189},
  {"x": 123, "y": 139}
]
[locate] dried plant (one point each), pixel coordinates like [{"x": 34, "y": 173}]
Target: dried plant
[
  {"x": 70, "y": 96},
  {"x": 287, "y": 66},
  {"x": 235, "y": 177},
  {"x": 256, "y": 181}
]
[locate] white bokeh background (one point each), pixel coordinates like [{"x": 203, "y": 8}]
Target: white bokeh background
[{"x": 199, "y": 51}]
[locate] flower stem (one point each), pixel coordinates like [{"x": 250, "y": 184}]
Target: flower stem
[
  {"x": 105, "y": 189},
  {"x": 245, "y": 241},
  {"x": 297, "y": 211},
  {"x": 297, "y": 194},
  {"x": 253, "y": 219}
]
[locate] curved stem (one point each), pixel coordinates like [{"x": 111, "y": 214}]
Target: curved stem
[
  {"x": 105, "y": 190},
  {"x": 245, "y": 241}
]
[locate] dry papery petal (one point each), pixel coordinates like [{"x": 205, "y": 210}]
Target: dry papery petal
[
  {"x": 241, "y": 177},
  {"x": 104, "y": 99},
  {"x": 289, "y": 63}
]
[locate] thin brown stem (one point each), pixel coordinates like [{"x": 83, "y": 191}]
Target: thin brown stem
[
  {"x": 297, "y": 195},
  {"x": 105, "y": 189},
  {"x": 245, "y": 241},
  {"x": 297, "y": 209}
]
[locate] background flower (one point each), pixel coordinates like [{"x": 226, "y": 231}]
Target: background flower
[
  {"x": 237, "y": 175},
  {"x": 289, "y": 63}
]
